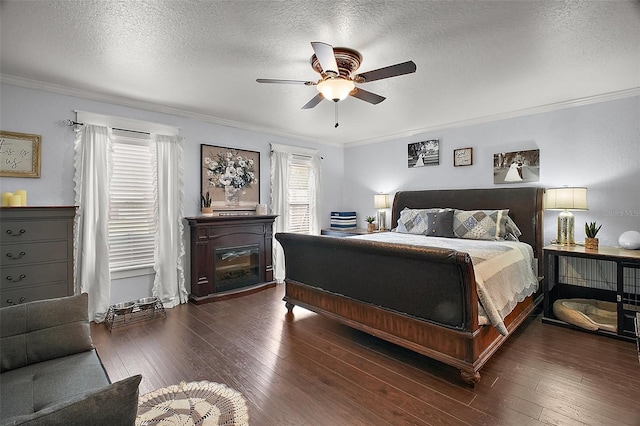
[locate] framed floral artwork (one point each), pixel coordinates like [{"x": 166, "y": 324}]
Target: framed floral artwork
[{"x": 230, "y": 176}]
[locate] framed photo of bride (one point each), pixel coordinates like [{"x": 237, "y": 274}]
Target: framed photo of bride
[
  {"x": 426, "y": 153},
  {"x": 516, "y": 167}
]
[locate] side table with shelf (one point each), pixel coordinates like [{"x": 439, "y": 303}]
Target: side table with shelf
[{"x": 625, "y": 277}]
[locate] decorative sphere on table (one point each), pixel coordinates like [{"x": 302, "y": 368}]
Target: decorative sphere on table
[{"x": 630, "y": 240}]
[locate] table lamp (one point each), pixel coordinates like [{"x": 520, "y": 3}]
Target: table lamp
[
  {"x": 381, "y": 202},
  {"x": 566, "y": 199}
]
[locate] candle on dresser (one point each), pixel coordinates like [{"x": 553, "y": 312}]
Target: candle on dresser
[
  {"x": 23, "y": 194},
  {"x": 6, "y": 197},
  {"x": 15, "y": 201}
]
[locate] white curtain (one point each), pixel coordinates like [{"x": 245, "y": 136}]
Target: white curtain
[
  {"x": 279, "y": 206},
  {"x": 281, "y": 156},
  {"x": 169, "y": 283},
  {"x": 314, "y": 195},
  {"x": 91, "y": 240}
]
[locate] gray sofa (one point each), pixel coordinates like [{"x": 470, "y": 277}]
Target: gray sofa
[{"x": 50, "y": 373}]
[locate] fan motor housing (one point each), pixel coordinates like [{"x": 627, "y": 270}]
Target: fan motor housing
[{"x": 348, "y": 61}]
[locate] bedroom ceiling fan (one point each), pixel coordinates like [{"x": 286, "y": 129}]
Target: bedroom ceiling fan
[{"x": 336, "y": 67}]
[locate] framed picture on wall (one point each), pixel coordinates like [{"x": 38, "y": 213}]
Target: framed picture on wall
[
  {"x": 426, "y": 153},
  {"x": 230, "y": 176},
  {"x": 516, "y": 166},
  {"x": 463, "y": 157},
  {"x": 19, "y": 154}
]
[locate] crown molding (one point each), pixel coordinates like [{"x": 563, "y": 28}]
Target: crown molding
[
  {"x": 611, "y": 96},
  {"x": 148, "y": 106}
]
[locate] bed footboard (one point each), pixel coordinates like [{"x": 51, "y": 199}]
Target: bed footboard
[
  {"x": 421, "y": 298},
  {"x": 440, "y": 282}
]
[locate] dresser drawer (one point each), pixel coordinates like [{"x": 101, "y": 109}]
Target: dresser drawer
[
  {"x": 21, "y": 276},
  {"x": 17, "y": 231},
  {"x": 29, "y": 294},
  {"x": 18, "y": 254}
]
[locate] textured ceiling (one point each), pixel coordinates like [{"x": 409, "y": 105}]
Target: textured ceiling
[{"x": 201, "y": 58}]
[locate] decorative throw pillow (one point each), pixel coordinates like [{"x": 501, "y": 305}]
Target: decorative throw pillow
[
  {"x": 440, "y": 224},
  {"x": 512, "y": 231},
  {"x": 480, "y": 224},
  {"x": 415, "y": 221}
]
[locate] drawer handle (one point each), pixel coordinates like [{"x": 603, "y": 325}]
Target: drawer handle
[
  {"x": 20, "y": 232},
  {"x": 10, "y": 278},
  {"x": 10, "y": 256},
  {"x": 11, "y": 302}
]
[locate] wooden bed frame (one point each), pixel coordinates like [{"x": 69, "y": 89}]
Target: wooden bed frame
[{"x": 418, "y": 297}]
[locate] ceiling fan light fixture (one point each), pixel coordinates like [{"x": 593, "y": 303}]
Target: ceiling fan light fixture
[{"x": 335, "y": 88}]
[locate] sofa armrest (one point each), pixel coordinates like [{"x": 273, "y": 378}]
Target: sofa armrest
[
  {"x": 43, "y": 330},
  {"x": 113, "y": 405}
]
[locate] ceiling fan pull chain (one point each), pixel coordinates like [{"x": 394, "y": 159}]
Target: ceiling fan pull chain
[{"x": 336, "y": 126}]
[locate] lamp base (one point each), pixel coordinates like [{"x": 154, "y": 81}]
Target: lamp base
[
  {"x": 565, "y": 229},
  {"x": 382, "y": 219}
]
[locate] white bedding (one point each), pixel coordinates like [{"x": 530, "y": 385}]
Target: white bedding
[{"x": 504, "y": 270}]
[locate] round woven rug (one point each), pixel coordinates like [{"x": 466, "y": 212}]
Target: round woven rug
[{"x": 195, "y": 403}]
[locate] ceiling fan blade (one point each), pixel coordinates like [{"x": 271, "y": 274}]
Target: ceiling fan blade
[
  {"x": 272, "y": 80},
  {"x": 313, "y": 102},
  {"x": 370, "y": 97},
  {"x": 386, "y": 72},
  {"x": 326, "y": 57}
]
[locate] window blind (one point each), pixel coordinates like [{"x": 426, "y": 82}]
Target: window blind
[
  {"x": 299, "y": 196},
  {"x": 132, "y": 202}
]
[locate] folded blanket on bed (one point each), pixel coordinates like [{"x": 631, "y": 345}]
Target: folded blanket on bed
[{"x": 503, "y": 270}]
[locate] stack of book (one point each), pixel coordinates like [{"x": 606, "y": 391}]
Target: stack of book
[{"x": 343, "y": 220}]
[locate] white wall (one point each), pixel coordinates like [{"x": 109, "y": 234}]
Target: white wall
[
  {"x": 41, "y": 112},
  {"x": 597, "y": 146}
]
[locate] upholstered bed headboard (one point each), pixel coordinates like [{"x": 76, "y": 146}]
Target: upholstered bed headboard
[{"x": 524, "y": 204}]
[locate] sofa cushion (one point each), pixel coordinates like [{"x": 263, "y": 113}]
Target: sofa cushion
[
  {"x": 43, "y": 330},
  {"x": 49, "y": 382},
  {"x": 112, "y": 405}
]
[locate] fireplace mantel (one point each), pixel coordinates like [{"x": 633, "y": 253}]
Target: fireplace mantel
[{"x": 230, "y": 256}]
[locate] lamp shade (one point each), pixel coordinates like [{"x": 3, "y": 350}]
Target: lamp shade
[
  {"x": 566, "y": 198},
  {"x": 336, "y": 88},
  {"x": 381, "y": 201}
]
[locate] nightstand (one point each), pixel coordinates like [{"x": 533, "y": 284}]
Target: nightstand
[{"x": 618, "y": 280}]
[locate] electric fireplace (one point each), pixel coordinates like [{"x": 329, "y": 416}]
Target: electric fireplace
[{"x": 230, "y": 256}]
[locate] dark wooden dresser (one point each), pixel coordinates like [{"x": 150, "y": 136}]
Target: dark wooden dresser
[
  {"x": 230, "y": 256},
  {"x": 37, "y": 253}
]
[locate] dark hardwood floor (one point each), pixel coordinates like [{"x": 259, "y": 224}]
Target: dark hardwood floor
[{"x": 314, "y": 371}]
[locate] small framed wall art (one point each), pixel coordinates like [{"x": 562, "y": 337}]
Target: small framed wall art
[
  {"x": 19, "y": 154},
  {"x": 230, "y": 176},
  {"x": 426, "y": 153},
  {"x": 463, "y": 157}
]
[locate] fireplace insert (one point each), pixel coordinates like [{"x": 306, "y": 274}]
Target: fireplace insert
[{"x": 236, "y": 267}]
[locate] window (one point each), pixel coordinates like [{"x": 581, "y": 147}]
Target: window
[
  {"x": 132, "y": 202},
  {"x": 299, "y": 194}
]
